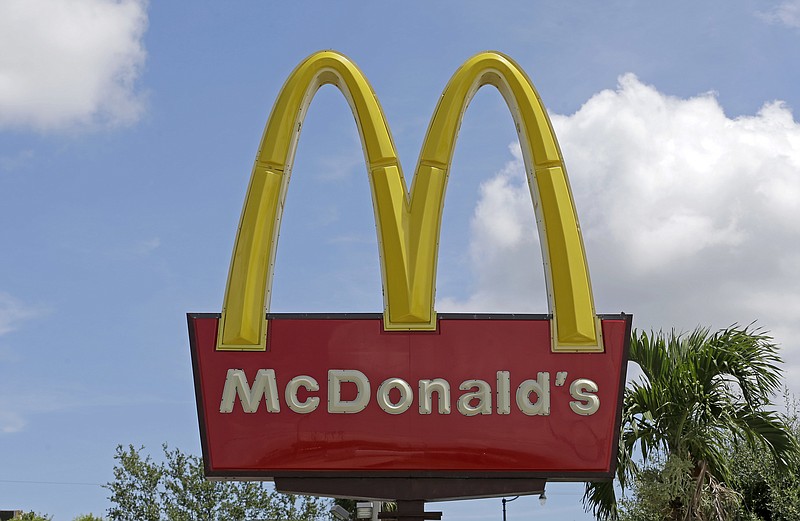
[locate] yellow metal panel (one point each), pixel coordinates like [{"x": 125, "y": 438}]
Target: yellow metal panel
[
  {"x": 409, "y": 224},
  {"x": 243, "y": 324},
  {"x": 409, "y": 238},
  {"x": 567, "y": 276},
  {"x": 576, "y": 327}
]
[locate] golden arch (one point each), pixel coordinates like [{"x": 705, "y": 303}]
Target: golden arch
[{"x": 409, "y": 224}]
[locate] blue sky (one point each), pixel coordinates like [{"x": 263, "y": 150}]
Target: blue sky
[{"x": 127, "y": 134}]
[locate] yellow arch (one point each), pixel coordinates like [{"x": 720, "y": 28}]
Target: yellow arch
[{"x": 408, "y": 225}]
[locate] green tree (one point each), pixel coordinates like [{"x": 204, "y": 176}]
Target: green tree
[
  {"x": 769, "y": 492},
  {"x": 135, "y": 490},
  {"x": 32, "y": 516},
  {"x": 656, "y": 487},
  {"x": 699, "y": 393},
  {"x": 88, "y": 517},
  {"x": 175, "y": 489}
]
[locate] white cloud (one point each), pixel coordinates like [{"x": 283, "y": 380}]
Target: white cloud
[
  {"x": 689, "y": 217},
  {"x": 70, "y": 62},
  {"x": 341, "y": 165},
  {"x": 16, "y": 408},
  {"x": 686, "y": 179},
  {"x": 503, "y": 242},
  {"x": 11, "y": 421},
  {"x": 17, "y": 161},
  {"x": 12, "y": 312},
  {"x": 21, "y": 403},
  {"x": 786, "y": 13},
  {"x": 145, "y": 247}
]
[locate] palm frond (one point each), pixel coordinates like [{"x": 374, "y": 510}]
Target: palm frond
[
  {"x": 600, "y": 498},
  {"x": 699, "y": 392},
  {"x": 768, "y": 428}
]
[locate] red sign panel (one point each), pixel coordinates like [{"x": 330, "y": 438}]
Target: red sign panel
[{"x": 481, "y": 395}]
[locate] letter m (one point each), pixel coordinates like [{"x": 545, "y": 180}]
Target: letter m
[{"x": 236, "y": 384}]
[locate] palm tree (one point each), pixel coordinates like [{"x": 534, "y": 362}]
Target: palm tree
[{"x": 698, "y": 392}]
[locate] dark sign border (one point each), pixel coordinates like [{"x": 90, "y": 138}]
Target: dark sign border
[{"x": 360, "y": 475}]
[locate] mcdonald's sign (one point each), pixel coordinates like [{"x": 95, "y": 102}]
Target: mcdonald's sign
[{"x": 409, "y": 393}]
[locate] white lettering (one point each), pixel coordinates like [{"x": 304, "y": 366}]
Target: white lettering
[
  {"x": 503, "y": 392},
  {"x": 540, "y": 386},
  {"x": 483, "y": 395},
  {"x": 311, "y": 403},
  {"x": 439, "y": 386},
  {"x": 587, "y": 403},
  {"x": 349, "y": 392},
  {"x": 335, "y": 379},
  {"x": 236, "y": 384},
  {"x": 406, "y": 396}
]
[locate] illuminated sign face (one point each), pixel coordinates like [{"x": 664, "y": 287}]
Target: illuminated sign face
[{"x": 409, "y": 392}]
